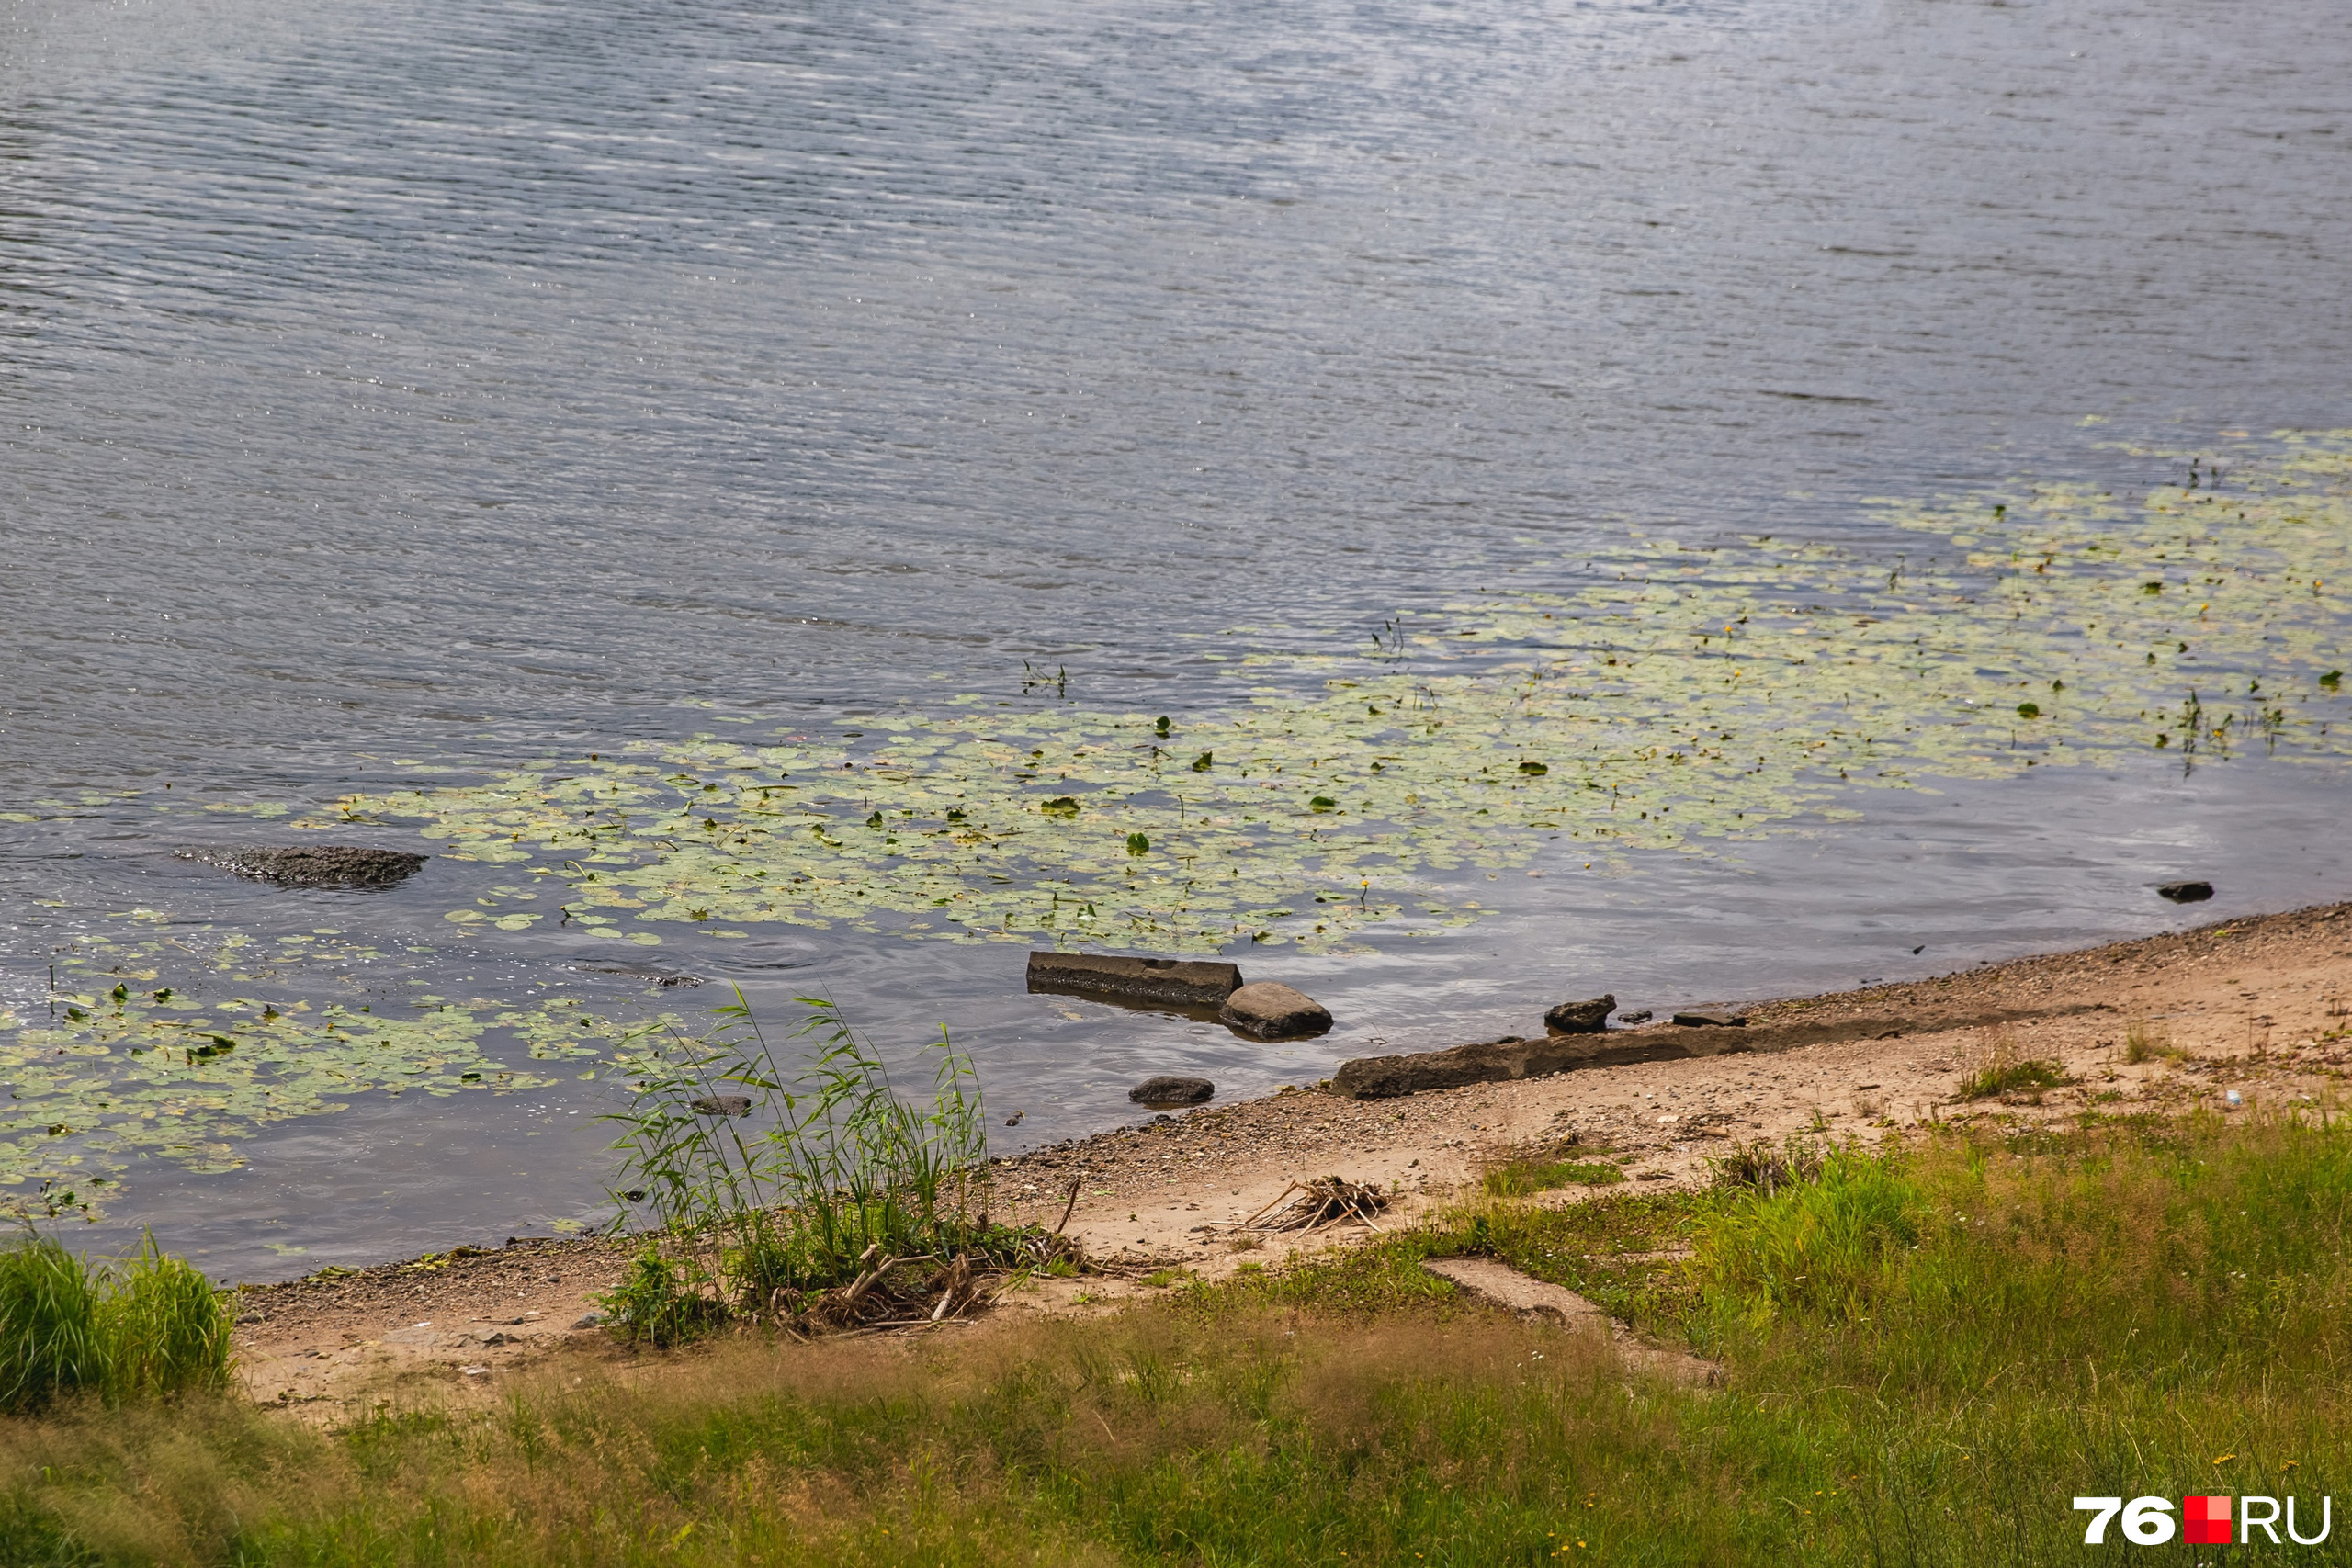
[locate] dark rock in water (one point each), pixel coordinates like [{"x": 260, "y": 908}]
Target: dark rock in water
[
  {"x": 1711, "y": 1020},
  {"x": 1641, "y": 1017},
  {"x": 1166, "y": 1090},
  {"x": 721, "y": 1105},
  {"x": 1272, "y": 1011},
  {"x": 668, "y": 982},
  {"x": 2186, "y": 892},
  {"x": 1580, "y": 1018},
  {"x": 1014, "y": 1119},
  {"x": 1183, "y": 980},
  {"x": 311, "y": 865}
]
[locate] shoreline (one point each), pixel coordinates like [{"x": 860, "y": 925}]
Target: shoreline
[{"x": 2257, "y": 1004}]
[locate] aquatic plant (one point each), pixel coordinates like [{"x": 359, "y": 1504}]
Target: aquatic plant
[
  {"x": 130, "y": 1068},
  {"x": 1681, "y": 695},
  {"x": 1654, "y": 697},
  {"x": 769, "y": 1186}
]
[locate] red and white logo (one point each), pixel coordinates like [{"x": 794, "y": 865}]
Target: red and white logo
[{"x": 2205, "y": 1521}]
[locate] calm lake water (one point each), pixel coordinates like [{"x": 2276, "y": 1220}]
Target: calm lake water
[{"x": 466, "y": 385}]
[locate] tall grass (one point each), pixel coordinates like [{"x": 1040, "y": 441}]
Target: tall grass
[
  {"x": 2220, "y": 1253},
  {"x": 768, "y": 1186},
  {"x": 1929, "y": 1353},
  {"x": 150, "y": 1325}
]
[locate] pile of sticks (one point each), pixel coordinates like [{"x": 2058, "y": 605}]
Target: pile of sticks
[
  {"x": 888, "y": 1293},
  {"x": 1319, "y": 1204}
]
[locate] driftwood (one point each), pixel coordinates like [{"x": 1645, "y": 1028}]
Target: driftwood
[
  {"x": 1314, "y": 1205},
  {"x": 886, "y": 1292}
]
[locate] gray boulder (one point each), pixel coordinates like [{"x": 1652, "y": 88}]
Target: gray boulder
[
  {"x": 311, "y": 865},
  {"x": 1170, "y": 1091},
  {"x": 1272, "y": 1011},
  {"x": 1580, "y": 1018}
]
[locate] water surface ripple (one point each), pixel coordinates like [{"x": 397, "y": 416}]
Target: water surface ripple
[{"x": 479, "y": 382}]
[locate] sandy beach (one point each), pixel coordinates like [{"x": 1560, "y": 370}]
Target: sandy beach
[{"x": 2255, "y": 1007}]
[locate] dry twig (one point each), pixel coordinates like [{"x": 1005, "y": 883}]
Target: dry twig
[{"x": 1314, "y": 1205}]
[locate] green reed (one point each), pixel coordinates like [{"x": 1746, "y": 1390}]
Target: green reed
[
  {"x": 149, "y": 1324},
  {"x": 766, "y": 1185}
]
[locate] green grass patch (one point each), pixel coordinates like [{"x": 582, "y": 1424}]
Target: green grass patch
[
  {"x": 148, "y": 1324},
  {"x": 1929, "y": 1353},
  {"x": 2013, "y": 1078},
  {"x": 817, "y": 1198},
  {"x": 1520, "y": 1178}
]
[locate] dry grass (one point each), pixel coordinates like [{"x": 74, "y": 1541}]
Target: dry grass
[
  {"x": 2002, "y": 1070},
  {"x": 1282, "y": 1437},
  {"x": 2146, "y": 1040}
]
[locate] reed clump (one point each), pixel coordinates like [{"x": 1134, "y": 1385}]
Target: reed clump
[
  {"x": 147, "y": 1326},
  {"x": 811, "y": 1199}
]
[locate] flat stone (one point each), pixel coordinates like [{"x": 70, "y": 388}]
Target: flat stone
[
  {"x": 1580, "y": 1018},
  {"x": 1188, "y": 981},
  {"x": 310, "y": 865},
  {"x": 1641, "y": 1017},
  {"x": 1498, "y": 1284},
  {"x": 1272, "y": 1011},
  {"x": 721, "y": 1105},
  {"x": 1712, "y": 1018},
  {"x": 2186, "y": 892},
  {"x": 1170, "y": 1091}
]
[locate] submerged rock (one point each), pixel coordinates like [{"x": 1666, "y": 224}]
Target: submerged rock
[
  {"x": 721, "y": 1105},
  {"x": 310, "y": 865},
  {"x": 1580, "y": 1018},
  {"x": 1271, "y": 1009},
  {"x": 2186, "y": 892},
  {"x": 1171, "y": 1090}
]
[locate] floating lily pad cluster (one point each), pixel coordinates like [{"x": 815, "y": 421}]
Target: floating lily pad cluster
[
  {"x": 129, "y": 1068},
  {"x": 1676, "y": 694},
  {"x": 1655, "y": 697}
]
